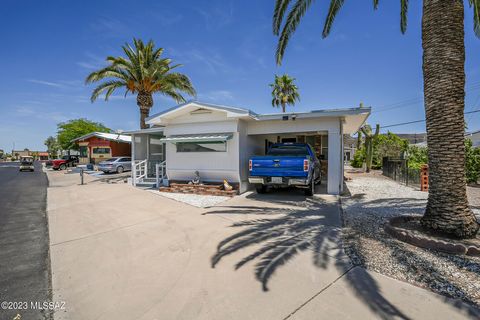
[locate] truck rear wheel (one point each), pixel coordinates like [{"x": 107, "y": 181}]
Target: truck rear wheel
[
  {"x": 261, "y": 189},
  {"x": 310, "y": 191}
]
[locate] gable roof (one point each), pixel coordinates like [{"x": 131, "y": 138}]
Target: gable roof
[
  {"x": 231, "y": 111},
  {"x": 107, "y": 136}
]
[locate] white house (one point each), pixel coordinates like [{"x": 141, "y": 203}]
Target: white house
[
  {"x": 218, "y": 140},
  {"x": 475, "y": 137}
]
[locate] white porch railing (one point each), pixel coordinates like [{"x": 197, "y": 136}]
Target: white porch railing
[
  {"x": 160, "y": 172},
  {"x": 139, "y": 170}
]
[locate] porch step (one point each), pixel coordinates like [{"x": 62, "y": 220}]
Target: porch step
[{"x": 148, "y": 184}]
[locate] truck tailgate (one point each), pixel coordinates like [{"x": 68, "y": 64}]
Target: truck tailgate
[{"x": 278, "y": 166}]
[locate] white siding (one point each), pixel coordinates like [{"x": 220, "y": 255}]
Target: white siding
[{"x": 212, "y": 166}]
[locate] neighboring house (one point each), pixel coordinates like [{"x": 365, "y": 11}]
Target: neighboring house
[
  {"x": 475, "y": 137},
  {"x": 97, "y": 146},
  {"x": 349, "y": 147},
  {"x": 42, "y": 155},
  {"x": 413, "y": 138},
  {"x": 218, "y": 140},
  {"x": 17, "y": 154}
]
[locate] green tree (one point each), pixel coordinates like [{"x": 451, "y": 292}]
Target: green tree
[
  {"x": 284, "y": 92},
  {"x": 444, "y": 95},
  {"x": 72, "y": 129},
  {"x": 417, "y": 156},
  {"x": 387, "y": 145},
  {"x": 143, "y": 72},
  {"x": 472, "y": 162},
  {"x": 52, "y": 146}
]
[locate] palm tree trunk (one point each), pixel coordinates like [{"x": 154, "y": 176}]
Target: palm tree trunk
[
  {"x": 145, "y": 103},
  {"x": 283, "y": 107},
  {"x": 444, "y": 89}
]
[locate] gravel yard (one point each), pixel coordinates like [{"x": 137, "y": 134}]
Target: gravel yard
[
  {"x": 200, "y": 201},
  {"x": 373, "y": 200}
]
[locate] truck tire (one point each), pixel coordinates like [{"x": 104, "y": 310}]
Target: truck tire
[
  {"x": 63, "y": 166},
  {"x": 261, "y": 189},
  {"x": 310, "y": 191}
]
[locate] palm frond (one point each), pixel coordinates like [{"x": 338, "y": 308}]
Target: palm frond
[
  {"x": 109, "y": 87},
  {"x": 293, "y": 20},
  {"x": 403, "y": 15},
  {"x": 335, "y": 6},
  {"x": 278, "y": 14},
  {"x": 476, "y": 16}
]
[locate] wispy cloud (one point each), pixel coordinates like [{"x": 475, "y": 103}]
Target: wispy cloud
[
  {"x": 217, "y": 17},
  {"x": 72, "y": 84},
  {"x": 212, "y": 61},
  {"x": 216, "y": 95},
  {"x": 110, "y": 27},
  {"x": 46, "y": 83},
  {"x": 24, "y": 111},
  {"x": 92, "y": 62}
]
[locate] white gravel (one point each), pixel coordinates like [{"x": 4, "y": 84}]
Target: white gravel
[
  {"x": 200, "y": 201},
  {"x": 375, "y": 199}
]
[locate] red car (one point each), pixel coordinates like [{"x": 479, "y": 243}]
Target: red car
[{"x": 62, "y": 163}]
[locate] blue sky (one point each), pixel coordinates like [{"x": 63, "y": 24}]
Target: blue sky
[{"x": 227, "y": 48}]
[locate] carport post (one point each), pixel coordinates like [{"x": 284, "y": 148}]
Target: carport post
[{"x": 335, "y": 160}]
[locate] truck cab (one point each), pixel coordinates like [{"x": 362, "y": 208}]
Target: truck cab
[{"x": 284, "y": 165}]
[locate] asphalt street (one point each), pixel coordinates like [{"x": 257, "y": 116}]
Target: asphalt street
[{"x": 24, "y": 256}]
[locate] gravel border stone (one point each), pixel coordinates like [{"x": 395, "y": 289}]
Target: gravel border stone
[{"x": 372, "y": 202}]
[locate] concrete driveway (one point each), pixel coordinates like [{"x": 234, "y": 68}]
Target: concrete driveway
[{"x": 122, "y": 253}]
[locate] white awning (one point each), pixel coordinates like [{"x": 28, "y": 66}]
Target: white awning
[{"x": 216, "y": 137}]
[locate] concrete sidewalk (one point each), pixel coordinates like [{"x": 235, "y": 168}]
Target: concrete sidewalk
[{"x": 122, "y": 253}]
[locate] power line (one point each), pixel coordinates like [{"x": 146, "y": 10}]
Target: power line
[
  {"x": 417, "y": 121},
  {"x": 415, "y": 101}
]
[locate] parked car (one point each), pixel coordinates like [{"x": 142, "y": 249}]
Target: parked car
[
  {"x": 286, "y": 164},
  {"x": 26, "y": 163},
  {"x": 62, "y": 163},
  {"x": 116, "y": 164}
]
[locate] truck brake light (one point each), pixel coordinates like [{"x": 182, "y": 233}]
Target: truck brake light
[
  {"x": 305, "y": 165},
  {"x": 249, "y": 165}
]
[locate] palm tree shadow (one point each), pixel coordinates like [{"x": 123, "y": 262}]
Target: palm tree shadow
[
  {"x": 406, "y": 257},
  {"x": 278, "y": 240}
]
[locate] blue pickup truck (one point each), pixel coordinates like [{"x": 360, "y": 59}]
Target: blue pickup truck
[{"x": 286, "y": 164}]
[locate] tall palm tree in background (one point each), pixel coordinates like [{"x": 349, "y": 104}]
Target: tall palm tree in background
[
  {"x": 444, "y": 94},
  {"x": 284, "y": 92},
  {"x": 143, "y": 72}
]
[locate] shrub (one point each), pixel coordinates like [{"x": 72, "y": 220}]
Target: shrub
[{"x": 472, "y": 162}]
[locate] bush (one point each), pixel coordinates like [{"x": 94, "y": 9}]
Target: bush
[
  {"x": 417, "y": 156},
  {"x": 472, "y": 162},
  {"x": 358, "y": 158}
]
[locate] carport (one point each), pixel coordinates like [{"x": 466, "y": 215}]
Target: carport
[{"x": 322, "y": 129}]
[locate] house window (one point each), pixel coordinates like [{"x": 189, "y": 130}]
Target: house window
[
  {"x": 206, "y": 146},
  {"x": 101, "y": 150},
  {"x": 83, "y": 150}
]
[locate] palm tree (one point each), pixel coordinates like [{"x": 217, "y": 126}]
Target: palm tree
[
  {"x": 143, "y": 72},
  {"x": 284, "y": 92},
  {"x": 444, "y": 94}
]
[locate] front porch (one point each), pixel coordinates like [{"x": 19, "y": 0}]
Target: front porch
[{"x": 148, "y": 157}]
